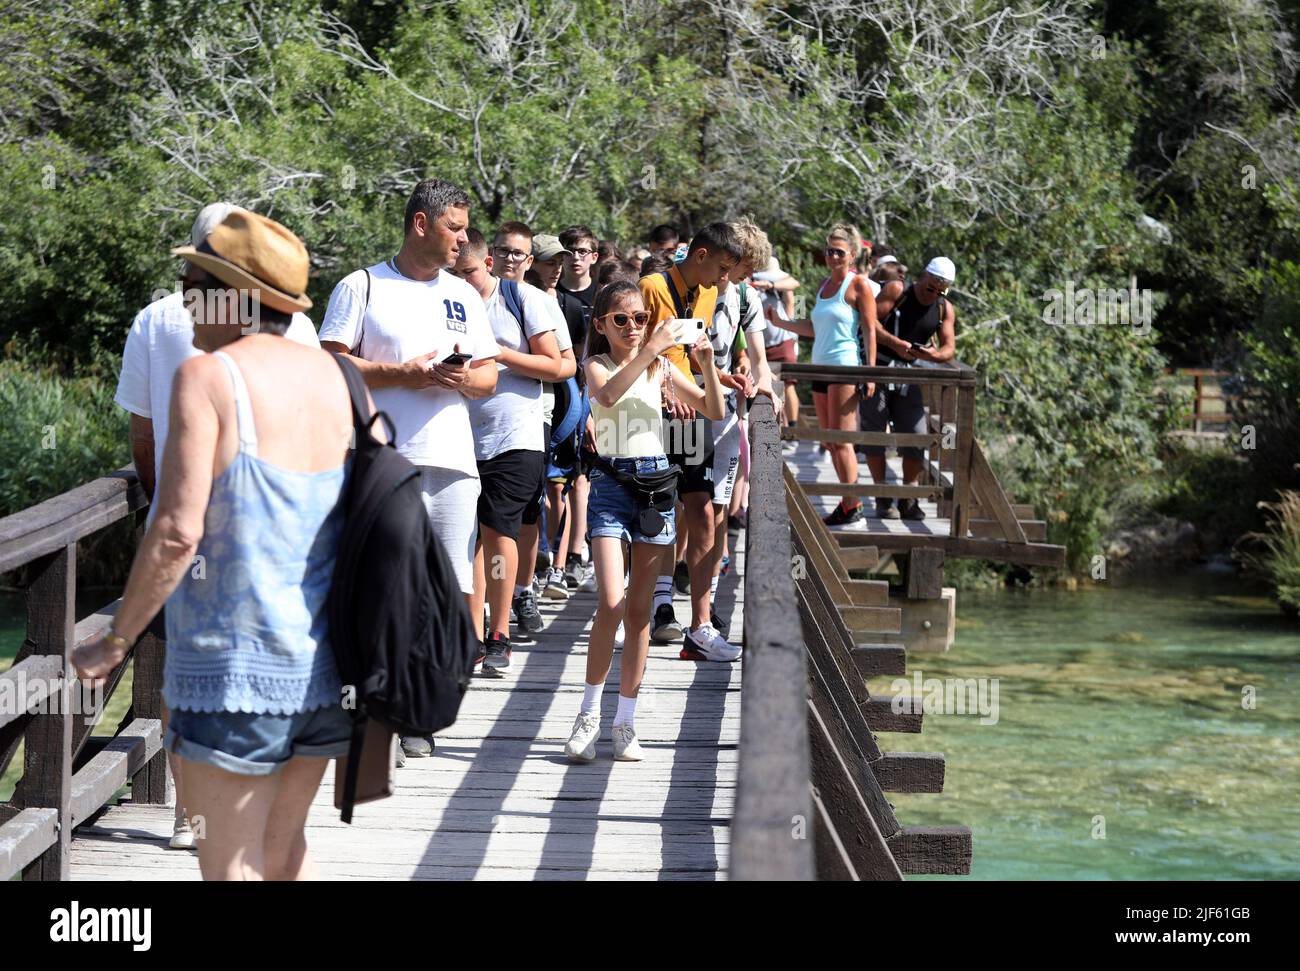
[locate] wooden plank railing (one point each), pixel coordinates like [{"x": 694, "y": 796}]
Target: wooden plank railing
[
  {"x": 982, "y": 521},
  {"x": 67, "y": 777},
  {"x": 773, "y": 825}
]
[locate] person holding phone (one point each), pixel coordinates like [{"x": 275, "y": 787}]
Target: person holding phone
[
  {"x": 627, "y": 377},
  {"x": 420, "y": 336}
]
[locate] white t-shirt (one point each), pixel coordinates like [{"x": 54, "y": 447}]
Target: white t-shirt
[
  {"x": 404, "y": 319},
  {"x": 726, "y": 321},
  {"x": 565, "y": 342},
  {"x": 511, "y": 418},
  {"x": 160, "y": 339}
]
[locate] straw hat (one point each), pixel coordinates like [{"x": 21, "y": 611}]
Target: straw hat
[{"x": 251, "y": 252}]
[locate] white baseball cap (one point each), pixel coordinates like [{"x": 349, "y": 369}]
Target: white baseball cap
[
  {"x": 943, "y": 268},
  {"x": 209, "y": 218},
  {"x": 886, "y": 260}
]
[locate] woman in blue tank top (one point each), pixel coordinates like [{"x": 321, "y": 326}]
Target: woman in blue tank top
[
  {"x": 843, "y": 323},
  {"x": 242, "y": 548}
]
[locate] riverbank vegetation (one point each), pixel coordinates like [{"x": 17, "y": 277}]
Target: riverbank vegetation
[{"x": 1148, "y": 149}]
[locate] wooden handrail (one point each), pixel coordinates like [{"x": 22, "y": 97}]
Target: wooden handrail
[
  {"x": 772, "y": 830},
  {"x": 54, "y": 793},
  {"x": 953, "y": 373}
]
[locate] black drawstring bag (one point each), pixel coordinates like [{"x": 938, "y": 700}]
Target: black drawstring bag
[{"x": 653, "y": 492}]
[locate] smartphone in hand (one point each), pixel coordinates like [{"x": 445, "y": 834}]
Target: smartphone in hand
[
  {"x": 455, "y": 360},
  {"x": 692, "y": 329}
]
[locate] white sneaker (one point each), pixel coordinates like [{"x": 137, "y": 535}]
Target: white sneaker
[
  {"x": 581, "y": 746},
  {"x": 588, "y": 584},
  {"x": 618, "y": 636},
  {"x": 626, "y": 747},
  {"x": 704, "y": 643},
  {"x": 182, "y": 835}
]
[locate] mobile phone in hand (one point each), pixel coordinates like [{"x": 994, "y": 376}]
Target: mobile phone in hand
[
  {"x": 455, "y": 360},
  {"x": 692, "y": 329}
]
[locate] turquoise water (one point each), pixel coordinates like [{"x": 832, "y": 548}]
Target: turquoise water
[{"x": 1123, "y": 702}]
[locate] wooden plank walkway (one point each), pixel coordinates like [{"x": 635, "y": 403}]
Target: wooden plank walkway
[
  {"x": 809, "y": 463},
  {"x": 499, "y": 801}
]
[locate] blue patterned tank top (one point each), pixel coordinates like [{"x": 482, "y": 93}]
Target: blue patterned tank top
[{"x": 247, "y": 629}]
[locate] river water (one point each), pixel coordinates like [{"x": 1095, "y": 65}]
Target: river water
[
  {"x": 1123, "y": 748},
  {"x": 1119, "y": 715}
]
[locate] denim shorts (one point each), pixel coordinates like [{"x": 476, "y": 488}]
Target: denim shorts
[
  {"x": 611, "y": 511},
  {"x": 253, "y": 744}
]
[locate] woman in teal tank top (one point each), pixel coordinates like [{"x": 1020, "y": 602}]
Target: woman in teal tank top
[{"x": 845, "y": 309}]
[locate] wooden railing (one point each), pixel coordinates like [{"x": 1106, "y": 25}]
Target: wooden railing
[
  {"x": 68, "y": 775},
  {"x": 1211, "y": 405},
  {"x": 979, "y": 520},
  {"x": 772, "y": 830}
]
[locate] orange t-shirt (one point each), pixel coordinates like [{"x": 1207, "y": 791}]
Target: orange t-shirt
[{"x": 660, "y": 305}]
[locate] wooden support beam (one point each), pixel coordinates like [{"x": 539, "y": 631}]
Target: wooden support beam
[
  {"x": 872, "y": 620},
  {"x": 881, "y": 490},
  {"x": 1029, "y": 554},
  {"x": 874, "y": 660},
  {"x": 989, "y": 493},
  {"x": 910, "y": 771},
  {"x": 832, "y": 857},
  {"x": 923, "y": 574},
  {"x": 123, "y": 756},
  {"x": 833, "y": 437},
  {"x": 859, "y": 557},
  {"x": 926, "y": 625},
  {"x": 933, "y": 849},
  {"x": 861, "y": 838},
  {"x": 880, "y": 715},
  {"x": 1035, "y": 530},
  {"x": 868, "y": 593}
]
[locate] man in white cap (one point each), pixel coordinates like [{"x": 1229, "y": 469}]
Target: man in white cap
[
  {"x": 780, "y": 345},
  {"x": 160, "y": 339},
  {"x": 910, "y": 320}
]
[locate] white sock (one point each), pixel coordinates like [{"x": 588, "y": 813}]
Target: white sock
[
  {"x": 626, "y": 710},
  {"x": 520, "y": 589},
  {"x": 713, "y": 587},
  {"x": 663, "y": 591},
  {"x": 591, "y": 699}
]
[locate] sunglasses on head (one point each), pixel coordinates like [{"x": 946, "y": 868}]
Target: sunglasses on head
[
  {"x": 623, "y": 321},
  {"x": 836, "y": 251}
]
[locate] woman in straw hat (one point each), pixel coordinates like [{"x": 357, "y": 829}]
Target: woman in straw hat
[{"x": 242, "y": 549}]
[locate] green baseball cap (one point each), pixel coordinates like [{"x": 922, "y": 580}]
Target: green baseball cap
[{"x": 547, "y": 247}]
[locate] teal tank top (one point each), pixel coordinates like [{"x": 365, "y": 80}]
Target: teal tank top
[{"x": 835, "y": 329}]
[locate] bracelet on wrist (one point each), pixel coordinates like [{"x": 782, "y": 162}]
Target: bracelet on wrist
[{"x": 117, "y": 640}]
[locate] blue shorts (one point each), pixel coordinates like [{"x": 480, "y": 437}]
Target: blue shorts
[
  {"x": 252, "y": 744},
  {"x": 612, "y": 512}
]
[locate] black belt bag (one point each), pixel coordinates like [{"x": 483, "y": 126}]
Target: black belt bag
[{"x": 654, "y": 493}]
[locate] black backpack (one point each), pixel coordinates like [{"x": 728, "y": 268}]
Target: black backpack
[{"x": 401, "y": 633}]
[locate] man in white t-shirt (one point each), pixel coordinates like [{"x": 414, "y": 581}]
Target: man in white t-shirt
[
  {"x": 160, "y": 339},
  {"x": 420, "y": 337},
  {"x": 509, "y": 438}
]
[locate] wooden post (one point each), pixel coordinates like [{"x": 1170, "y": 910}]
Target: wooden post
[
  {"x": 961, "y": 472},
  {"x": 47, "y": 754},
  {"x": 150, "y": 784},
  {"x": 923, "y": 574}
]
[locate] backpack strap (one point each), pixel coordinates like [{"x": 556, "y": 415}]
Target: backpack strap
[
  {"x": 514, "y": 303},
  {"x": 678, "y": 303}
]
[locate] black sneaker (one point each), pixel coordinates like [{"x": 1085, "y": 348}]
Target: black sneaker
[
  {"x": 910, "y": 509},
  {"x": 665, "y": 628},
  {"x": 498, "y": 655},
  {"x": 682, "y": 578},
  {"x": 839, "y": 517},
  {"x": 885, "y": 509},
  {"x": 527, "y": 617}
]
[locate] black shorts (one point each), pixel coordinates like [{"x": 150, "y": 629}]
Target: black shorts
[
  {"x": 507, "y": 484},
  {"x": 820, "y": 387},
  {"x": 533, "y": 511},
  {"x": 903, "y": 408}
]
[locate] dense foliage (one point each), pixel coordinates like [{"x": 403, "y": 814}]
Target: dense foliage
[{"x": 1041, "y": 145}]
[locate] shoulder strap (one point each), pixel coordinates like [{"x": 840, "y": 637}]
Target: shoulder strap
[
  {"x": 366, "y": 306},
  {"x": 678, "y": 303},
  {"x": 514, "y": 303},
  {"x": 246, "y": 429},
  {"x": 744, "y": 302}
]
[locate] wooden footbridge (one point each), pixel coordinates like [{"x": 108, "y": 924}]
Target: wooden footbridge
[{"x": 768, "y": 769}]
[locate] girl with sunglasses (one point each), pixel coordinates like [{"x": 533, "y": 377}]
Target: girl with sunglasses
[
  {"x": 843, "y": 323},
  {"x": 627, "y": 378}
]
